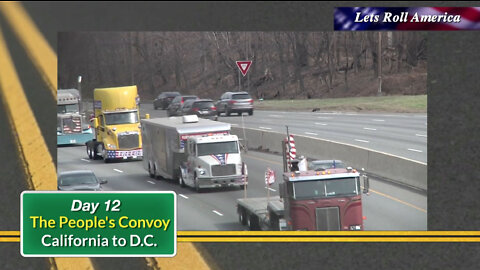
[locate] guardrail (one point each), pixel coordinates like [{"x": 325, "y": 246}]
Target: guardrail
[{"x": 398, "y": 169}]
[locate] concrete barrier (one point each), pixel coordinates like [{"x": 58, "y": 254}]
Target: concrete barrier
[{"x": 398, "y": 169}]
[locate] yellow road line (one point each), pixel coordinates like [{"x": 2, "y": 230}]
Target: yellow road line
[
  {"x": 73, "y": 263},
  {"x": 4, "y": 233},
  {"x": 38, "y": 49},
  {"x": 372, "y": 190},
  {"x": 398, "y": 200},
  {"x": 336, "y": 239},
  {"x": 187, "y": 257},
  {"x": 33, "y": 152},
  {"x": 185, "y": 234},
  {"x": 37, "y": 161},
  {"x": 9, "y": 239}
]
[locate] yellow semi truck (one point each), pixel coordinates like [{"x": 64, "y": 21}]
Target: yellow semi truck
[{"x": 116, "y": 123}]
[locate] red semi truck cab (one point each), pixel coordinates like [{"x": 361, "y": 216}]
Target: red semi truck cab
[{"x": 323, "y": 200}]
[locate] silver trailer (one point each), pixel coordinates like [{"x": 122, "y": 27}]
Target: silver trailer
[{"x": 164, "y": 141}]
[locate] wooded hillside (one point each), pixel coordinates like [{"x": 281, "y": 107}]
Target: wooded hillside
[{"x": 285, "y": 64}]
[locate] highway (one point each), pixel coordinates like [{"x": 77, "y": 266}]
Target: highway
[
  {"x": 387, "y": 207},
  {"x": 401, "y": 134}
]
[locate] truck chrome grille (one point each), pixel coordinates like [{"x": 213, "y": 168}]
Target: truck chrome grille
[
  {"x": 72, "y": 125},
  {"x": 128, "y": 140},
  {"x": 328, "y": 219},
  {"x": 223, "y": 170}
]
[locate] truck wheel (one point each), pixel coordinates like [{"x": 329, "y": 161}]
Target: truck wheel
[
  {"x": 197, "y": 185},
  {"x": 242, "y": 217},
  {"x": 180, "y": 180},
  {"x": 89, "y": 152},
  {"x": 274, "y": 222},
  {"x": 252, "y": 222},
  {"x": 94, "y": 152},
  {"x": 150, "y": 172}
]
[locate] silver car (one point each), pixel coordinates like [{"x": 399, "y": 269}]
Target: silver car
[
  {"x": 235, "y": 102},
  {"x": 79, "y": 180}
]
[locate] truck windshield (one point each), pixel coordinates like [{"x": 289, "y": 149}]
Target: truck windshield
[
  {"x": 67, "y": 108},
  {"x": 326, "y": 188},
  {"x": 205, "y": 149},
  {"x": 121, "y": 118}
]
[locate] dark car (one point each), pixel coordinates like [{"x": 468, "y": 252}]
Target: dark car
[
  {"x": 322, "y": 165},
  {"x": 175, "y": 108},
  {"x": 235, "y": 102},
  {"x": 79, "y": 180},
  {"x": 164, "y": 99},
  {"x": 203, "y": 108}
]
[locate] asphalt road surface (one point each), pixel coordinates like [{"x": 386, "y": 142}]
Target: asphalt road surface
[{"x": 388, "y": 207}]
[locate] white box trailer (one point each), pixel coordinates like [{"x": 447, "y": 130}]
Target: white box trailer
[{"x": 196, "y": 152}]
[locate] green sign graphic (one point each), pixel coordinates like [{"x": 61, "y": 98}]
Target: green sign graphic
[{"x": 98, "y": 224}]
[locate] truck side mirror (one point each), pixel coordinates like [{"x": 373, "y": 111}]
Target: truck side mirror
[
  {"x": 95, "y": 122},
  {"x": 282, "y": 190},
  {"x": 366, "y": 183}
]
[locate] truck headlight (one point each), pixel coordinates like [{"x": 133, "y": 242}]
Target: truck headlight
[
  {"x": 355, "y": 227},
  {"x": 111, "y": 146},
  {"x": 202, "y": 171}
]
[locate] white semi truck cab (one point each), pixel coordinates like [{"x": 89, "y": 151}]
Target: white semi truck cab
[
  {"x": 199, "y": 153},
  {"x": 213, "y": 161}
]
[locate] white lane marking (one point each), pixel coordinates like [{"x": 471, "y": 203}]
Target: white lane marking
[
  {"x": 85, "y": 160},
  {"x": 414, "y": 150},
  {"x": 323, "y": 117},
  {"x": 274, "y": 115},
  {"x": 420, "y": 135},
  {"x": 183, "y": 196},
  {"x": 218, "y": 213},
  {"x": 321, "y": 124},
  {"x": 271, "y": 189},
  {"x": 361, "y": 141},
  {"x": 118, "y": 171},
  {"x": 265, "y": 128},
  {"x": 352, "y": 114},
  {"x": 378, "y": 120},
  {"x": 151, "y": 182},
  {"x": 370, "y": 128},
  {"x": 311, "y": 133}
]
